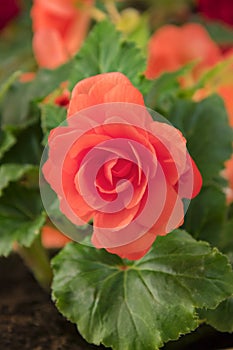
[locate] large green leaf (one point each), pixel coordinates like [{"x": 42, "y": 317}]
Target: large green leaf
[
  {"x": 209, "y": 137},
  {"x": 140, "y": 305},
  {"x": 221, "y": 318},
  {"x": 21, "y": 217},
  {"x": 105, "y": 51},
  {"x": 209, "y": 141}
]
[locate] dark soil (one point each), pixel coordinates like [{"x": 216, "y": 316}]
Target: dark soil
[
  {"x": 28, "y": 318},
  {"x": 30, "y": 321}
]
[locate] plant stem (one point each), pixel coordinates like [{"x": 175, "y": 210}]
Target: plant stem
[
  {"x": 112, "y": 10},
  {"x": 8, "y": 83},
  {"x": 37, "y": 260},
  {"x": 97, "y": 14}
]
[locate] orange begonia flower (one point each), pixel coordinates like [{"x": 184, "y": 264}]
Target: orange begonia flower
[
  {"x": 113, "y": 164},
  {"x": 59, "y": 28},
  {"x": 103, "y": 88},
  {"x": 171, "y": 47}
]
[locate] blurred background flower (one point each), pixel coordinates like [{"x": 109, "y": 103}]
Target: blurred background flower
[
  {"x": 217, "y": 10},
  {"x": 171, "y": 47},
  {"x": 59, "y": 29},
  {"x": 9, "y": 10}
]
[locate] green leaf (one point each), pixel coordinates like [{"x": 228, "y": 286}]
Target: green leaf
[
  {"x": 139, "y": 33},
  {"x": 7, "y": 140},
  {"x": 206, "y": 215},
  {"x": 18, "y": 108},
  {"x": 7, "y": 84},
  {"x": 209, "y": 141},
  {"x": 47, "y": 80},
  {"x": 140, "y": 305},
  {"x": 51, "y": 117},
  {"x": 220, "y": 33},
  {"x": 28, "y": 148},
  {"x": 15, "y": 45},
  {"x": 105, "y": 51},
  {"x": 226, "y": 241},
  {"x": 220, "y": 318},
  {"x": 165, "y": 89},
  {"x": 21, "y": 217},
  {"x": 209, "y": 137},
  {"x": 12, "y": 172}
]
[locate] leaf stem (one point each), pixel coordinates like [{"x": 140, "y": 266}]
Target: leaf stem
[{"x": 37, "y": 260}]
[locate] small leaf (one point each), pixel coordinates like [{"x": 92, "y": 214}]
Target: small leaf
[
  {"x": 7, "y": 140},
  {"x": 103, "y": 53},
  {"x": 140, "y": 305},
  {"x": 134, "y": 26},
  {"x": 220, "y": 33},
  {"x": 221, "y": 317},
  {"x": 7, "y": 84},
  {"x": 226, "y": 242},
  {"x": 21, "y": 217},
  {"x": 28, "y": 148},
  {"x": 12, "y": 172},
  {"x": 51, "y": 117}
]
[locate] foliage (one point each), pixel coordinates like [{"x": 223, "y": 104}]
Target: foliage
[{"x": 186, "y": 278}]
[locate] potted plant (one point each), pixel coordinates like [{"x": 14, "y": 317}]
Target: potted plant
[{"x": 119, "y": 138}]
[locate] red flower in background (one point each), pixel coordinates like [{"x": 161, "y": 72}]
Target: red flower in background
[
  {"x": 59, "y": 28},
  {"x": 60, "y": 96},
  {"x": 217, "y": 9},
  {"x": 9, "y": 10},
  {"x": 171, "y": 47}
]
